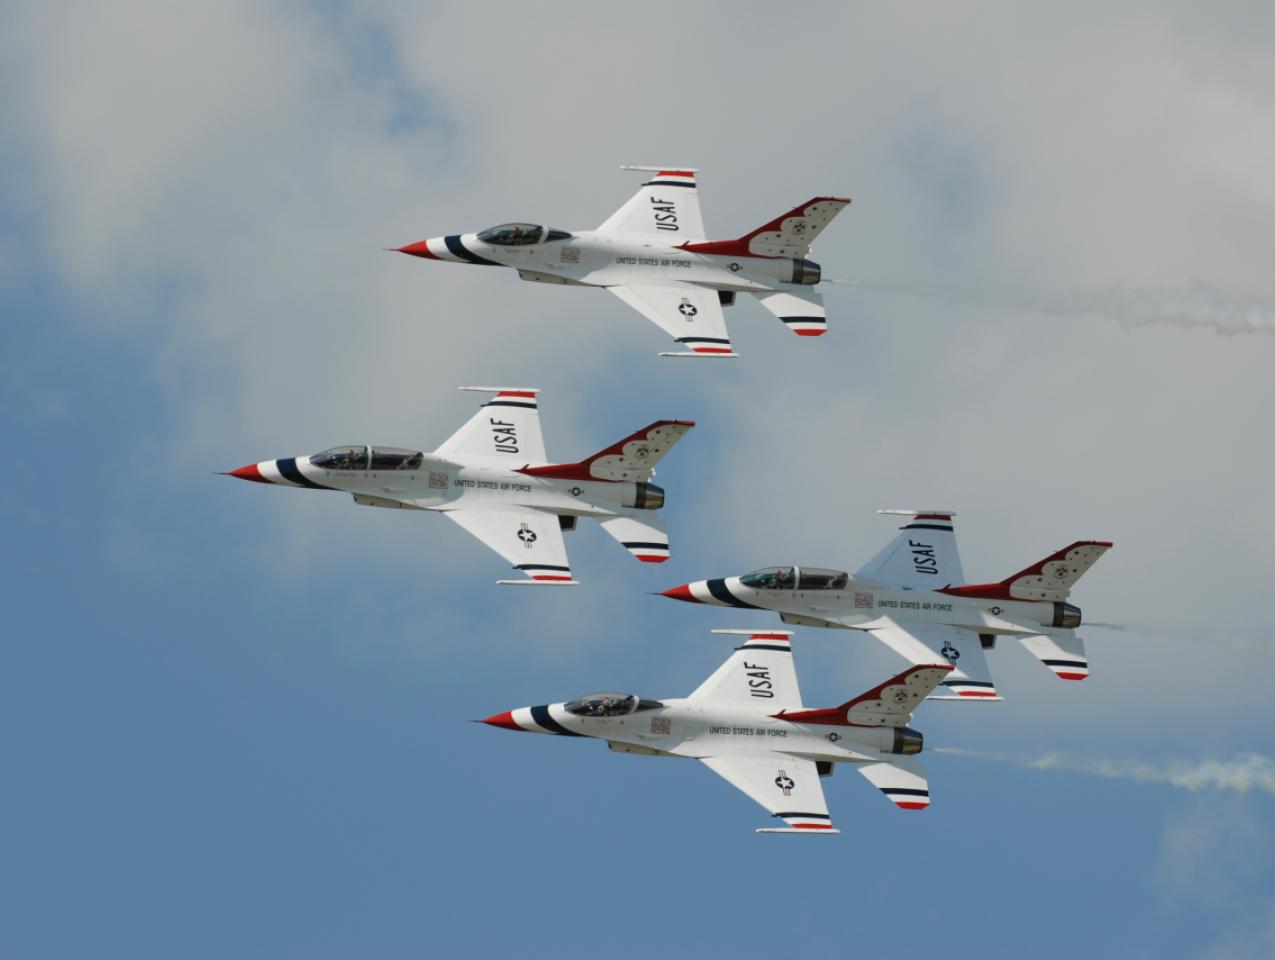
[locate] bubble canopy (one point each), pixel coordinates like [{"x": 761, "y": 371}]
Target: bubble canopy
[
  {"x": 521, "y": 234},
  {"x": 795, "y": 578},
  {"x": 360, "y": 457},
  {"x": 609, "y": 705}
]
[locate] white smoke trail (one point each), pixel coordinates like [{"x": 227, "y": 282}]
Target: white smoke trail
[
  {"x": 1199, "y": 306},
  {"x": 1200, "y": 637},
  {"x": 1247, "y": 771}
]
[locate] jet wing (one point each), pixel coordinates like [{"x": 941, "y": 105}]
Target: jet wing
[
  {"x": 506, "y": 427},
  {"x": 923, "y": 555},
  {"x": 760, "y": 671},
  {"x": 689, "y": 314},
  {"x": 930, "y": 643},
  {"x": 785, "y": 785},
  {"x": 529, "y": 539},
  {"x": 902, "y": 780},
  {"x": 665, "y": 208}
]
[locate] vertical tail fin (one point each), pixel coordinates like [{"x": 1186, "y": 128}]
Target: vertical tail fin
[
  {"x": 888, "y": 704},
  {"x": 633, "y": 458},
  {"x": 788, "y": 235},
  {"x": 1048, "y": 579}
]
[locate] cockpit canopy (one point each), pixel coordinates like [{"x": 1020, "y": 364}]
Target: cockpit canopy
[
  {"x": 771, "y": 578},
  {"x": 795, "y": 578},
  {"x": 609, "y": 705},
  {"x": 368, "y": 458},
  {"x": 521, "y": 234}
]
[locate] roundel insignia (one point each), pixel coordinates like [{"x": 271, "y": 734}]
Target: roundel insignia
[
  {"x": 526, "y": 535},
  {"x": 949, "y": 652},
  {"x": 785, "y": 783},
  {"x": 687, "y": 309},
  {"x": 734, "y": 268},
  {"x": 575, "y": 491},
  {"x": 833, "y": 737}
]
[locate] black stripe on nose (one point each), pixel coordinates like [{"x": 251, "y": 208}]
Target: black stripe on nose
[
  {"x": 718, "y": 589},
  {"x": 288, "y": 468}
]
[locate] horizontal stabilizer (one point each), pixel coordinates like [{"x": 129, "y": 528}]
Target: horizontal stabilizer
[
  {"x": 1061, "y": 651},
  {"x": 633, "y": 458},
  {"x": 800, "y": 308},
  {"x": 902, "y": 780},
  {"x": 806, "y": 831},
  {"x": 646, "y": 538}
]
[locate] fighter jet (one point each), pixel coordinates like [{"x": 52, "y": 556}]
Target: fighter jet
[
  {"x": 653, "y": 254},
  {"x": 746, "y": 723},
  {"x": 493, "y": 479},
  {"x": 897, "y": 598}
]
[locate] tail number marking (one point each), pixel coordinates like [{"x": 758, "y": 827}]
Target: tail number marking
[
  {"x": 923, "y": 559},
  {"x": 504, "y": 436},
  {"x": 665, "y": 214},
  {"x": 759, "y": 683}
]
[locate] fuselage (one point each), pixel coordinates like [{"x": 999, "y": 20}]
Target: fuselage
[
  {"x": 838, "y": 600},
  {"x": 693, "y": 728},
  {"x": 413, "y": 480},
  {"x": 589, "y": 258}
]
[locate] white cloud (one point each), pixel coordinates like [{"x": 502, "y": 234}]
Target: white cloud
[{"x": 218, "y": 181}]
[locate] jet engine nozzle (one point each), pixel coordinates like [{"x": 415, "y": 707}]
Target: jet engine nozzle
[
  {"x": 907, "y": 741},
  {"x": 806, "y": 272},
  {"x": 1066, "y": 616},
  {"x": 647, "y": 496}
]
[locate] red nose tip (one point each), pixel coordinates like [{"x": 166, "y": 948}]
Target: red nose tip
[
  {"x": 680, "y": 593},
  {"x": 249, "y": 472},
  {"x": 420, "y": 249},
  {"x": 505, "y": 720}
]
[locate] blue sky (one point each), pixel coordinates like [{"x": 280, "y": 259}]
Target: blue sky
[{"x": 234, "y": 720}]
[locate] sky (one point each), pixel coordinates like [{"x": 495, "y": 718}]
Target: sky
[{"x": 234, "y": 721}]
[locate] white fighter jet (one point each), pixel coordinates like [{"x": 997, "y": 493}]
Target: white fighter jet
[
  {"x": 746, "y": 723},
  {"x": 653, "y": 254},
  {"x": 493, "y": 479},
  {"x": 912, "y": 596}
]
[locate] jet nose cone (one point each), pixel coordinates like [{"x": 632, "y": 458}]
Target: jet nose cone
[
  {"x": 505, "y": 720},
  {"x": 420, "y": 249},
  {"x": 249, "y": 472},
  {"x": 681, "y": 593}
]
